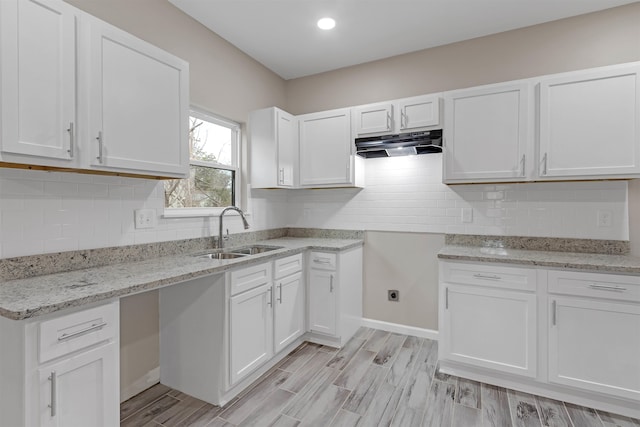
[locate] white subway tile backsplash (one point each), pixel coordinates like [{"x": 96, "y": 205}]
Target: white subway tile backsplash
[
  {"x": 47, "y": 212},
  {"x": 544, "y": 209}
]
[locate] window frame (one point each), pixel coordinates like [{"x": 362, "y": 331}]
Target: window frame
[{"x": 236, "y": 159}]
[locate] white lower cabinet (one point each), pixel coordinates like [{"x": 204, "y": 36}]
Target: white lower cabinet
[
  {"x": 322, "y": 301},
  {"x": 335, "y": 296},
  {"x": 250, "y": 331},
  {"x": 594, "y": 332},
  {"x": 565, "y": 334},
  {"x": 63, "y": 370},
  {"x": 288, "y": 311},
  {"x": 79, "y": 391},
  {"x": 492, "y": 328},
  {"x": 489, "y": 317}
]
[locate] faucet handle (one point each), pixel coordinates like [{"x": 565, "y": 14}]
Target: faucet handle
[{"x": 227, "y": 236}]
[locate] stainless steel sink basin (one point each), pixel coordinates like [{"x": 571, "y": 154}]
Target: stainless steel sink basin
[
  {"x": 222, "y": 255},
  {"x": 253, "y": 250}
]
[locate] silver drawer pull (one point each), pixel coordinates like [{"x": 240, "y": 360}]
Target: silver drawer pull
[
  {"x": 93, "y": 327},
  {"x": 607, "y": 288},
  {"x": 54, "y": 393},
  {"x": 487, "y": 277},
  {"x": 322, "y": 261}
]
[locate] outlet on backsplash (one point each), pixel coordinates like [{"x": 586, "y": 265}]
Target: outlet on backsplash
[
  {"x": 145, "y": 218},
  {"x": 605, "y": 218}
]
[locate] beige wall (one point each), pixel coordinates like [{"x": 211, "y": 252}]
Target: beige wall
[
  {"x": 408, "y": 263},
  {"x": 607, "y": 37}
]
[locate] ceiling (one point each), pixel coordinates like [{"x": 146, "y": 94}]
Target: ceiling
[{"x": 283, "y": 36}]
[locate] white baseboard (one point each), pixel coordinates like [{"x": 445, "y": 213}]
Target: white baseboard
[
  {"x": 400, "y": 329},
  {"x": 141, "y": 384}
]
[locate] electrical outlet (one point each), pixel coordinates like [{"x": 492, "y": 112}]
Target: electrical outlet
[
  {"x": 467, "y": 214},
  {"x": 145, "y": 218},
  {"x": 604, "y": 218},
  {"x": 393, "y": 295}
]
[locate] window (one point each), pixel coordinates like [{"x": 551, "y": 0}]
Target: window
[{"x": 213, "y": 180}]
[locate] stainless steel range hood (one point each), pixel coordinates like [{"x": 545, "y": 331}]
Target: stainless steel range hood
[{"x": 403, "y": 144}]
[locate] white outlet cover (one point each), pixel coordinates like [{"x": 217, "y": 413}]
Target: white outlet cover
[
  {"x": 467, "y": 214},
  {"x": 144, "y": 218},
  {"x": 605, "y": 218}
]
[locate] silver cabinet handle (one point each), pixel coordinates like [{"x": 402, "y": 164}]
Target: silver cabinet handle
[
  {"x": 544, "y": 164},
  {"x": 388, "y": 121},
  {"x": 487, "y": 277},
  {"x": 53, "y": 378},
  {"x": 331, "y": 283},
  {"x": 270, "y": 298},
  {"x": 607, "y": 288},
  {"x": 72, "y": 140},
  {"x": 100, "y": 145},
  {"x": 280, "y": 293},
  {"x": 554, "y": 312},
  {"x": 522, "y": 165},
  {"x": 281, "y": 175},
  {"x": 321, "y": 261},
  {"x": 93, "y": 327},
  {"x": 403, "y": 119},
  {"x": 446, "y": 298}
]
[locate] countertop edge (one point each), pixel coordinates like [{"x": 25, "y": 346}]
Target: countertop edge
[{"x": 297, "y": 247}]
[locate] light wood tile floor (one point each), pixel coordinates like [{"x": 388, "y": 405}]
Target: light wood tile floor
[{"x": 377, "y": 379}]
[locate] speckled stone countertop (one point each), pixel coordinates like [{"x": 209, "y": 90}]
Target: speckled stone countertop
[
  {"x": 34, "y": 296},
  {"x": 603, "y": 256}
]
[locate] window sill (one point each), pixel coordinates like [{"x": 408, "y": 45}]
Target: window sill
[{"x": 198, "y": 213}]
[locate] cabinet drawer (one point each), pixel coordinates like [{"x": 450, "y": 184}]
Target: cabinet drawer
[
  {"x": 323, "y": 260},
  {"x": 491, "y": 275},
  {"x": 609, "y": 286},
  {"x": 72, "y": 332},
  {"x": 250, "y": 277},
  {"x": 286, "y": 266}
]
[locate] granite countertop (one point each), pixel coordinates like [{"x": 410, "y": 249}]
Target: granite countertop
[
  {"x": 35, "y": 296},
  {"x": 554, "y": 259}
]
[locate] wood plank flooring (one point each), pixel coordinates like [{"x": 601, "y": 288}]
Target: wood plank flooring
[{"x": 377, "y": 379}]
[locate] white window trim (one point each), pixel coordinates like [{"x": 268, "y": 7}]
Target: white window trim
[{"x": 235, "y": 159}]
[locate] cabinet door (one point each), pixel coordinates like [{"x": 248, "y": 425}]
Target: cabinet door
[
  {"x": 490, "y": 328},
  {"x": 486, "y": 134},
  {"x": 82, "y": 390},
  {"x": 419, "y": 112},
  {"x": 289, "y": 310},
  {"x": 286, "y": 148},
  {"x": 322, "y": 302},
  {"x": 595, "y": 345},
  {"x": 590, "y": 123},
  {"x": 371, "y": 119},
  {"x": 38, "y": 63},
  {"x": 325, "y": 148},
  {"x": 251, "y": 328},
  {"x": 139, "y": 98}
]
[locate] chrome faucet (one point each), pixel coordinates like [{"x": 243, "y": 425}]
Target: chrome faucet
[{"x": 244, "y": 222}]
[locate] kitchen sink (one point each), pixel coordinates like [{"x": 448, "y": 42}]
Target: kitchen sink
[
  {"x": 253, "y": 250},
  {"x": 222, "y": 255}
]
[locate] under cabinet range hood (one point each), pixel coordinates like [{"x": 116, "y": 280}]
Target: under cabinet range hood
[{"x": 403, "y": 144}]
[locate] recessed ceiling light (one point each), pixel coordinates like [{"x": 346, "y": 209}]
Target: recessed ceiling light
[{"x": 326, "y": 23}]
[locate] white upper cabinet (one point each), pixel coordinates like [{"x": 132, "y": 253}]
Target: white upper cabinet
[
  {"x": 78, "y": 93},
  {"x": 402, "y": 115},
  {"x": 326, "y": 149},
  {"x": 373, "y": 119},
  {"x": 590, "y": 123},
  {"x": 38, "y": 68},
  {"x": 487, "y": 133},
  {"x": 273, "y": 145},
  {"x": 139, "y": 97},
  {"x": 418, "y": 112}
]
